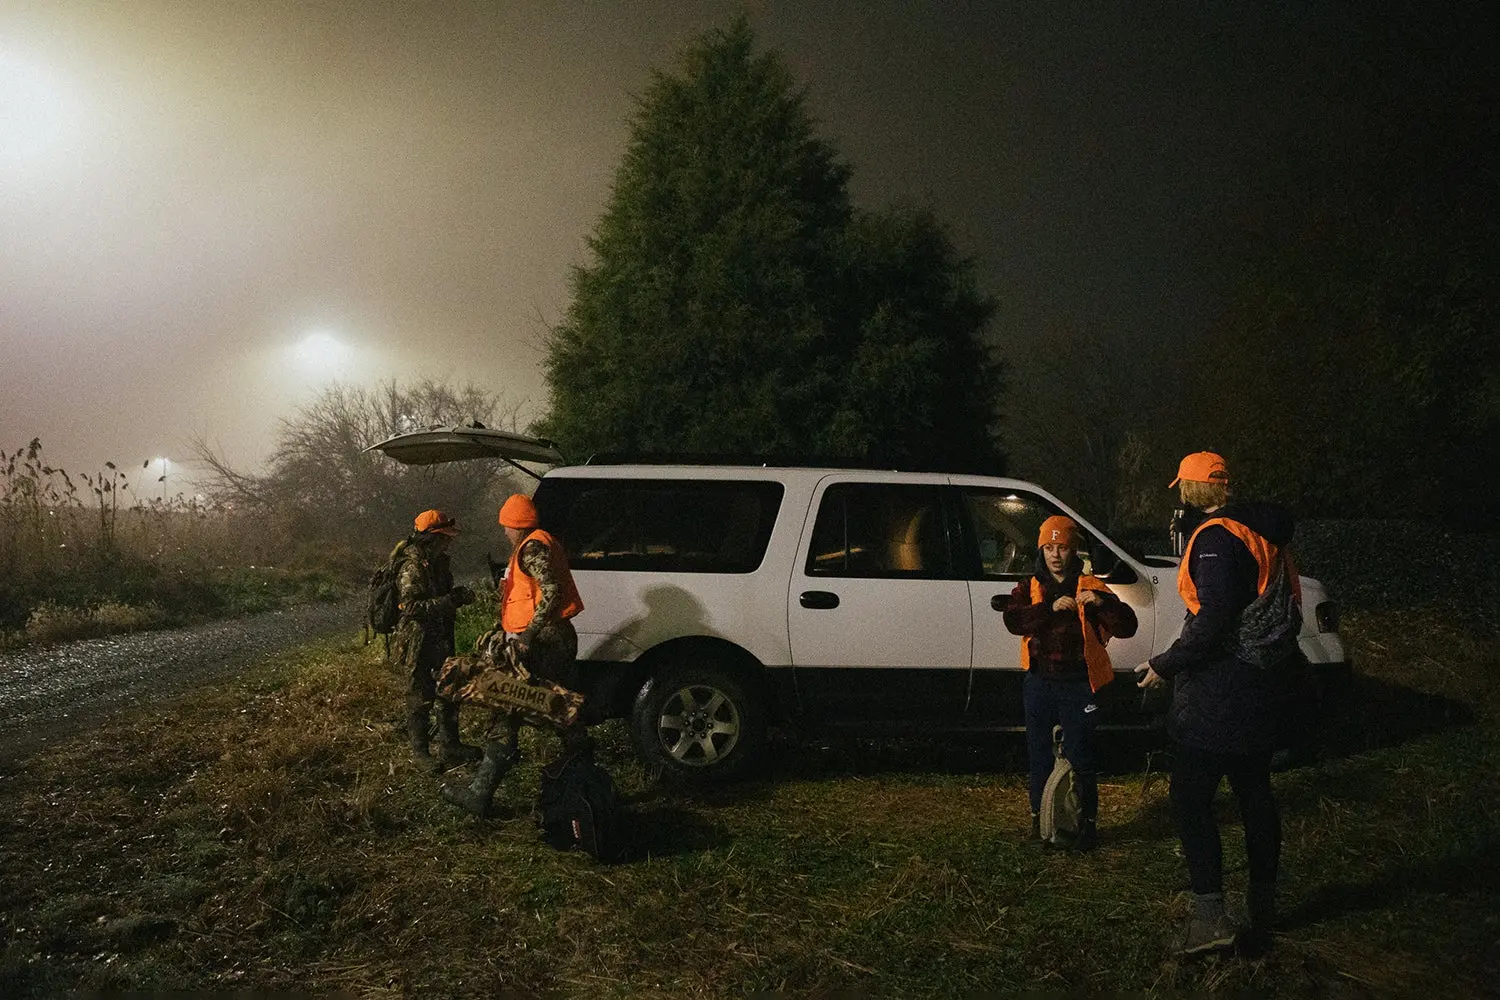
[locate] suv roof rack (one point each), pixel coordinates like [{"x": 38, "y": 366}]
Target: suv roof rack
[{"x": 770, "y": 461}]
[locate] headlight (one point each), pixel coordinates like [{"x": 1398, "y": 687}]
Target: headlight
[{"x": 1327, "y": 615}]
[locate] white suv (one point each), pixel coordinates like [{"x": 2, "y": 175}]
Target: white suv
[{"x": 722, "y": 598}]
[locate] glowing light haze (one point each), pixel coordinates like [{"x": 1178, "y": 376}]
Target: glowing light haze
[{"x": 208, "y": 208}]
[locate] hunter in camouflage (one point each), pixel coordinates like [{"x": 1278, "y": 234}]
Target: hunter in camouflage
[
  {"x": 536, "y": 603},
  {"x": 423, "y": 638}
]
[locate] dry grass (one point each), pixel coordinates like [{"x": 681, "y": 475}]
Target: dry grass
[
  {"x": 272, "y": 836},
  {"x": 82, "y": 556}
]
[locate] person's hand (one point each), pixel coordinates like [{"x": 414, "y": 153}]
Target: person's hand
[
  {"x": 1064, "y": 603},
  {"x": 461, "y": 595},
  {"x": 1089, "y": 597},
  {"x": 1148, "y": 678}
]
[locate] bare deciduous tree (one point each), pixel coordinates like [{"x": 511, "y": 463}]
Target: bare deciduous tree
[{"x": 330, "y": 493}]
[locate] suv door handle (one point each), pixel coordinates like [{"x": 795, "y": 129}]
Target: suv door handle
[
  {"x": 999, "y": 601},
  {"x": 818, "y": 600}
]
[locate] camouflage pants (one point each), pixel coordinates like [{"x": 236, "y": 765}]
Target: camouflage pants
[
  {"x": 553, "y": 656},
  {"x": 424, "y": 658}
]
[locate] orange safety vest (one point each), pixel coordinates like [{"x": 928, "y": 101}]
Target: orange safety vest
[
  {"x": 1101, "y": 672},
  {"x": 519, "y": 593},
  {"x": 1263, "y": 551}
]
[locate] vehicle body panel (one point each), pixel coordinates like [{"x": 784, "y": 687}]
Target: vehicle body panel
[{"x": 927, "y": 647}]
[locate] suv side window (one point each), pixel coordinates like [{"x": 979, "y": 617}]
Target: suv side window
[
  {"x": 879, "y": 530},
  {"x": 1005, "y": 526},
  {"x": 661, "y": 525}
]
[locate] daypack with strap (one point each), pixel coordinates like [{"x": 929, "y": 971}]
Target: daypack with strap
[
  {"x": 1266, "y": 635},
  {"x": 580, "y": 809},
  {"x": 383, "y": 603},
  {"x": 1060, "y": 808}
]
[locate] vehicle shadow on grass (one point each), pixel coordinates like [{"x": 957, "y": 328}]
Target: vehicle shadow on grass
[
  {"x": 1121, "y": 753},
  {"x": 1370, "y": 713},
  {"x": 1389, "y": 887},
  {"x": 657, "y": 828}
]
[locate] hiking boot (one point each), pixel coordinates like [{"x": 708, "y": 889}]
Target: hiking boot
[
  {"x": 1209, "y": 929},
  {"x": 1087, "y": 839}
]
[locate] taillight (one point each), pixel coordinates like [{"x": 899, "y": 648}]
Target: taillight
[{"x": 1327, "y": 615}]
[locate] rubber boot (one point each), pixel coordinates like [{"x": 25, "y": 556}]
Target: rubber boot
[
  {"x": 417, "y": 734},
  {"x": 476, "y": 798},
  {"x": 1209, "y": 928},
  {"x": 451, "y": 750}
]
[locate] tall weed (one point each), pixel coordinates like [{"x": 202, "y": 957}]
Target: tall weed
[{"x": 81, "y": 556}]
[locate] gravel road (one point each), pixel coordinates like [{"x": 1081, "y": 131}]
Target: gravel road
[{"x": 55, "y": 692}]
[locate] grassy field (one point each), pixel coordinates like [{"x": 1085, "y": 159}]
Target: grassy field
[{"x": 271, "y": 835}]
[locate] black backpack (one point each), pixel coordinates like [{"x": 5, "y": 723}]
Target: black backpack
[
  {"x": 580, "y": 809},
  {"x": 1268, "y": 627},
  {"x": 383, "y": 606}
]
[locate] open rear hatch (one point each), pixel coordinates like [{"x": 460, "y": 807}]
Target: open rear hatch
[{"x": 435, "y": 445}]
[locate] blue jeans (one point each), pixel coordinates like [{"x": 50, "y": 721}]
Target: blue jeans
[{"x": 1051, "y": 702}]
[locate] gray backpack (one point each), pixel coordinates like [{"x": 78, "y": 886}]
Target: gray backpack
[
  {"x": 1268, "y": 627},
  {"x": 1060, "y": 809}
]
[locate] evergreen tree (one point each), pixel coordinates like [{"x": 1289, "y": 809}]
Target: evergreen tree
[{"x": 736, "y": 302}]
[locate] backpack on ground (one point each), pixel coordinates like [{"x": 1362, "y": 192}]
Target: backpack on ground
[
  {"x": 580, "y": 809},
  {"x": 383, "y": 603},
  {"x": 1059, "y": 816},
  {"x": 1268, "y": 627}
]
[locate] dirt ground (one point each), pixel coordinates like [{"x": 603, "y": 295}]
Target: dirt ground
[{"x": 53, "y": 692}]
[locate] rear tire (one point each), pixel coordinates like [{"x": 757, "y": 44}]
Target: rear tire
[{"x": 701, "y": 721}]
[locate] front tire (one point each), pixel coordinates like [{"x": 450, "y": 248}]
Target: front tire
[{"x": 699, "y": 722}]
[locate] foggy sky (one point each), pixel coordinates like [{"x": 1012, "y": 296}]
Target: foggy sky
[{"x": 198, "y": 185}]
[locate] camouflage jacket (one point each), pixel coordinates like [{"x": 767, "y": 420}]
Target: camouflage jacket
[
  {"x": 551, "y": 641},
  {"x": 424, "y": 634}
]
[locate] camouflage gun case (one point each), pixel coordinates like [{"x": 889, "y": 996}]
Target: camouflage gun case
[{"x": 494, "y": 678}]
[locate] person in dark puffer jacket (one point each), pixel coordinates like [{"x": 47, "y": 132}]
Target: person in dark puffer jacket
[{"x": 1223, "y": 716}]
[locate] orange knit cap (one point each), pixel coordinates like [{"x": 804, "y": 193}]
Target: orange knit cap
[
  {"x": 1202, "y": 467},
  {"x": 435, "y": 522},
  {"x": 1058, "y": 530},
  {"x": 519, "y": 512}
]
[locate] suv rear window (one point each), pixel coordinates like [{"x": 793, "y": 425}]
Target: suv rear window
[{"x": 660, "y": 526}]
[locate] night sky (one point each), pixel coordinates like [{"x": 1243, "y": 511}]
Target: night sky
[{"x": 207, "y": 209}]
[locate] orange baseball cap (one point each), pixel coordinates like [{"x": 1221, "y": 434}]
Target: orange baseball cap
[
  {"x": 1202, "y": 467},
  {"x": 519, "y": 512},
  {"x": 435, "y": 522},
  {"x": 1058, "y": 530}
]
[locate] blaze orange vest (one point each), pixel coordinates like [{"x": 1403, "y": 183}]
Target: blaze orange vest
[
  {"x": 519, "y": 593},
  {"x": 1263, "y": 551},
  {"x": 1101, "y": 672}
]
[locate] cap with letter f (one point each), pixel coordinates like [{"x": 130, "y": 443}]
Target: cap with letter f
[
  {"x": 1058, "y": 530},
  {"x": 1202, "y": 467}
]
